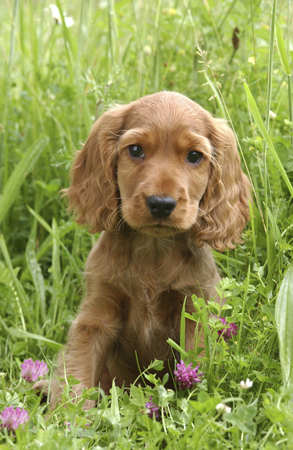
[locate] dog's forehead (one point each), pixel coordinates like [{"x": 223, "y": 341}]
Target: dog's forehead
[{"x": 168, "y": 111}]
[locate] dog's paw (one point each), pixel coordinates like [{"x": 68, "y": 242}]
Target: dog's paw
[{"x": 42, "y": 387}]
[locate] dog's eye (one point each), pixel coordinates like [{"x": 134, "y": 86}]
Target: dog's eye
[
  {"x": 194, "y": 157},
  {"x": 136, "y": 151}
]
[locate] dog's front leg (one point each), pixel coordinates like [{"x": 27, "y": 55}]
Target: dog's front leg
[{"x": 90, "y": 343}]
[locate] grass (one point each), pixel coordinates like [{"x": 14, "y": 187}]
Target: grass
[{"x": 55, "y": 81}]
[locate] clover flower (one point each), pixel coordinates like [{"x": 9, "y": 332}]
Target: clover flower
[
  {"x": 222, "y": 408},
  {"x": 32, "y": 370},
  {"x": 186, "y": 377},
  {"x": 152, "y": 409},
  {"x": 12, "y": 418},
  {"x": 246, "y": 384},
  {"x": 229, "y": 330}
]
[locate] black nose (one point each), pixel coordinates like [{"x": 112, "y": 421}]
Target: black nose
[{"x": 161, "y": 206}]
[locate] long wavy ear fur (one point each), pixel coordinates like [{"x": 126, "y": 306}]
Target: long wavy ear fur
[
  {"x": 93, "y": 194},
  {"x": 224, "y": 208}
]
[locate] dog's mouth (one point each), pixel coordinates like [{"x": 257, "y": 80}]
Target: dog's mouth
[{"x": 159, "y": 230}]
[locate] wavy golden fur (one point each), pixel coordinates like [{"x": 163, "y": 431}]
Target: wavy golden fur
[{"x": 161, "y": 179}]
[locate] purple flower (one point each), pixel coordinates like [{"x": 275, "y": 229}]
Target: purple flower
[
  {"x": 32, "y": 370},
  {"x": 228, "y": 331},
  {"x": 11, "y": 418},
  {"x": 186, "y": 377},
  {"x": 152, "y": 409}
]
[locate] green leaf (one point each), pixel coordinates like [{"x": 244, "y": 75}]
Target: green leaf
[
  {"x": 91, "y": 394},
  {"x": 282, "y": 50},
  {"x": 19, "y": 174},
  {"x": 284, "y": 320},
  {"x": 274, "y": 414},
  {"x": 156, "y": 365},
  {"x": 269, "y": 311},
  {"x": 259, "y": 122},
  {"x": 115, "y": 413},
  {"x": 72, "y": 381},
  {"x": 19, "y": 347},
  {"x": 243, "y": 419},
  {"x": 265, "y": 379},
  {"x": 207, "y": 406},
  {"x": 151, "y": 378}
]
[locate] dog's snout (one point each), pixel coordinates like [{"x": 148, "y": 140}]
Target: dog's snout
[{"x": 161, "y": 206}]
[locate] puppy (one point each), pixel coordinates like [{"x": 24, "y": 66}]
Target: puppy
[{"x": 161, "y": 179}]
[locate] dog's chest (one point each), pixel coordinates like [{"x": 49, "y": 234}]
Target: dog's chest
[
  {"x": 136, "y": 261},
  {"x": 150, "y": 317}
]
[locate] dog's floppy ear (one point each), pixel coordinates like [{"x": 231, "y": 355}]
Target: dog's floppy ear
[
  {"x": 224, "y": 208},
  {"x": 93, "y": 194}
]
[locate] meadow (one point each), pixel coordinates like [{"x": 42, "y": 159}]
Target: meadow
[{"x": 57, "y": 76}]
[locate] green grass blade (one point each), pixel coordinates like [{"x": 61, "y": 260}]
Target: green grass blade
[
  {"x": 49, "y": 229},
  {"x": 282, "y": 50},
  {"x": 206, "y": 332},
  {"x": 19, "y": 174},
  {"x": 240, "y": 330},
  {"x": 254, "y": 246},
  {"x": 270, "y": 67},
  {"x": 56, "y": 267},
  {"x": 22, "y": 334},
  {"x": 56, "y": 254},
  {"x": 182, "y": 328},
  {"x": 259, "y": 122},
  {"x": 37, "y": 277},
  {"x": 177, "y": 348},
  {"x": 21, "y": 298},
  {"x": 284, "y": 320},
  {"x": 267, "y": 127},
  {"x": 69, "y": 47},
  {"x": 4, "y": 151},
  {"x": 217, "y": 96},
  {"x": 48, "y": 242}
]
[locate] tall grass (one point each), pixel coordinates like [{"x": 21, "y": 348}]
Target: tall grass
[{"x": 55, "y": 80}]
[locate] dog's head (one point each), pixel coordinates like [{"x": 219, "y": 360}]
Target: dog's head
[{"x": 163, "y": 165}]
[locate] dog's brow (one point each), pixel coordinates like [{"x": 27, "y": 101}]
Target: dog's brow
[
  {"x": 194, "y": 141},
  {"x": 133, "y": 134}
]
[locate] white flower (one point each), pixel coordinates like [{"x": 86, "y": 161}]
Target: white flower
[
  {"x": 68, "y": 21},
  {"x": 222, "y": 408},
  {"x": 251, "y": 60},
  {"x": 57, "y": 16},
  {"x": 246, "y": 384},
  {"x": 55, "y": 13},
  {"x": 147, "y": 50},
  {"x": 272, "y": 115}
]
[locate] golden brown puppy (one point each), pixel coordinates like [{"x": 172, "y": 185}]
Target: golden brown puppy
[{"x": 161, "y": 178}]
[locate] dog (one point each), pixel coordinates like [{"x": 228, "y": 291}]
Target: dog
[{"x": 161, "y": 179}]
